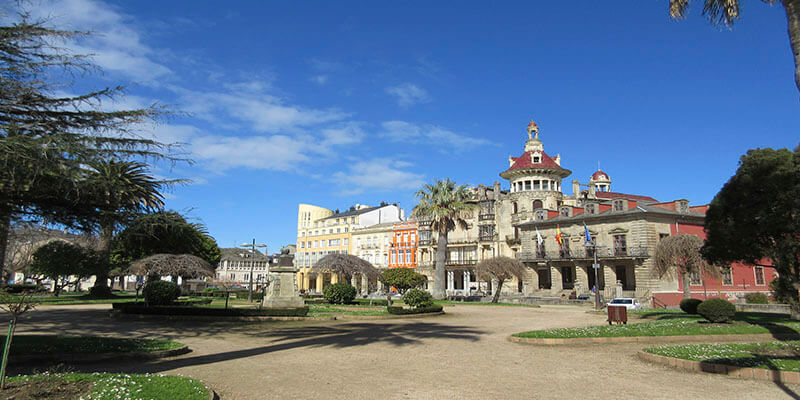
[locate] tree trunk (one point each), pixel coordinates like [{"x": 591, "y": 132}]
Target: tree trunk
[
  {"x": 792, "y": 8},
  {"x": 687, "y": 292},
  {"x": 497, "y": 292},
  {"x": 5, "y": 226},
  {"x": 106, "y": 235},
  {"x": 439, "y": 277}
]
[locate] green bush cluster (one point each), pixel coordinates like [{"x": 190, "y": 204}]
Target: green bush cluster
[
  {"x": 132, "y": 308},
  {"x": 421, "y": 310},
  {"x": 160, "y": 293},
  {"x": 716, "y": 310},
  {"x": 339, "y": 293},
  {"x": 756, "y": 298},
  {"x": 689, "y": 306},
  {"x": 22, "y": 287},
  {"x": 418, "y": 298},
  {"x": 100, "y": 292}
]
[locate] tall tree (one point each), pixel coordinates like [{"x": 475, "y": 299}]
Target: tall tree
[
  {"x": 46, "y": 136},
  {"x": 59, "y": 260},
  {"x": 446, "y": 205},
  {"x": 727, "y": 11},
  {"x": 756, "y": 215},
  {"x": 500, "y": 268},
  {"x": 680, "y": 254},
  {"x": 118, "y": 191}
]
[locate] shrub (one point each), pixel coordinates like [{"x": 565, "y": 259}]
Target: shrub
[
  {"x": 339, "y": 293},
  {"x": 756, "y": 298},
  {"x": 132, "y": 308},
  {"x": 689, "y": 306},
  {"x": 421, "y": 310},
  {"x": 101, "y": 292},
  {"x": 418, "y": 298},
  {"x": 716, "y": 310},
  {"x": 160, "y": 293},
  {"x": 402, "y": 278},
  {"x": 22, "y": 287}
]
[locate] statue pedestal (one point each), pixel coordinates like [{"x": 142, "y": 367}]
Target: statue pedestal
[{"x": 282, "y": 291}]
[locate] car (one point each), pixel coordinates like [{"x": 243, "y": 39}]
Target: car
[{"x": 627, "y": 302}]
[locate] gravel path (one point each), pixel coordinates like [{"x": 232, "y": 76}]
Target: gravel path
[{"x": 464, "y": 354}]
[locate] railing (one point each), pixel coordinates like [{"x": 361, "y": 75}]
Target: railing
[
  {"x": 425, "y": 223},
  {"x": 584, "y": 254},
  {"x": 426, "y": 242},
  {"x": 461, "y": 262},
  {"x": 485, "y": 217},
  {"x": 511, "y": 240},
  {"x": 487, "y": 237}
]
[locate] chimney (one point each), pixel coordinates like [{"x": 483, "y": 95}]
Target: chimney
[
  {"x": 576, "y": 188},
  {"x": 558, "y": 159},
  {"x": 592, "y": 194},
  {"x": 496, "y": 190}
]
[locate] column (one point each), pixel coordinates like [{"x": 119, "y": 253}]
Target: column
[
  {"x": 534, "y": 280},
  {"x": 320, "y": 278},
  {"x": 334, "y": 278},
  {"x": 364, "y": 284},
  {"x": 582, "y": 279},
  {"x": 307, "y": 281},
  {"x": 466, "y": 283},
  {"x": 610, "y": 281},
  {"x": 298, "y": 278},
  {"x": 450, "y": 281},
  {"x": 556, "y": 285}
]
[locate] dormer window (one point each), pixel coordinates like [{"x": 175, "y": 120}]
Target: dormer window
[
  {"x": 565, "y": 211},
  {"x": 619, "y": 205},
  {"x": 539, "y": 215},
  {"x": 682, "y": 206},
  {"x": 590, "y": 208},
  {"x": 536, "y": 159}
]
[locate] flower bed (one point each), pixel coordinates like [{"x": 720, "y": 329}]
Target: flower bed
[
  {"x": 45, "y": 344},
  {"x": 102, "y": 386},
  {"x": 783, "y": 356}
]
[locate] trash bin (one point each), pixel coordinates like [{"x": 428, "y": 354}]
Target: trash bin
[{"x": 618, "y": 314}]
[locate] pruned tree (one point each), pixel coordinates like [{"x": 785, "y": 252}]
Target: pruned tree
[
  {"x": 446, "y": 205},
  {"x": 185, "y": 266},
  {"x": 402, "y": 279},
  {"x": 680, "y": 255},
  {"x": 726, "y": 12},
  {"x": 59, "y": 260},
  {"x": 500, "y": 268},
  {"x": 47, "y": 138},
  {"x": 346, "y": 265}
]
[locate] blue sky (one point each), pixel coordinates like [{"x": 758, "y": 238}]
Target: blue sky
[{"x": 337, "y": 103}]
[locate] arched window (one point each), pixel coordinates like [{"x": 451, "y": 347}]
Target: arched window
[
  {"x": 537, "y": 204},
  {"x": 514, "y": 207}
]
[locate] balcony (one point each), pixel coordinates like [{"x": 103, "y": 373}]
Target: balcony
[
  {"x": 426, "y": 242},
  {"x": 485, "y": 217},
  {"x": 519, "y": 217},
  {"x": 511, "y": 240},
  {"x": 585, "y": 254},
  {"x": 460, "y": 262},
  {"x": 425, "y": 223},
  {"x": 488, "y": 237}
]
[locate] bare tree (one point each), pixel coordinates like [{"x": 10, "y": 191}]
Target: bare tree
[
  {"x": 15, "y": 306},
  {"x": 225, "y": 284},
  {"x": 173, "y": 265},
  {"x": 500, "y": 268},
  {"x": 680, "y": 255},
  {"x": 345, "y": 264}
]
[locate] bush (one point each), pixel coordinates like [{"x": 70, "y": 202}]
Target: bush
[
  {"x": 100, "y": 292},
  {"x": 421, "y": 310},
  {"x": 132, "y": 308},
  {"x": 339, "y": 293},
  {"x": 756, "y": 298},
  {"x": 418, "y": 298},
  {"x": 22, "y": 287},
  {"x": 375, "y": 302},
  {"x": 716, "y": 310},
  {"x": 160, "y": 293},
  {"x": 402, "y": 279},
  {"x": 689, "y": 306}
]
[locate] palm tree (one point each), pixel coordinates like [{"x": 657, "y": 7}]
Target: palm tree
[
  {"x": 118, "y": 190},
  {"x": 727, "y": 11},
  {"x": 680, "y": 254},
  {"x": 446, "y": 205}
]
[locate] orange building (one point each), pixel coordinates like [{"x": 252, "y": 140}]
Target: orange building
[{"x": 403, "y": 253}]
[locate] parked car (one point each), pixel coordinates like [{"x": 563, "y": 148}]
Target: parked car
[{"x": 627, "y": 302}]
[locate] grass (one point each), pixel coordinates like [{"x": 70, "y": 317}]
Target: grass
[
  {"x": 43, "y": 344},
  {"x": 124, "y": 386},
  {"x": 328, "y": 310},
  {"x": 670, "y": 323},
  {"x": 784, "y": 356},
  {"x": 68, "y": 299}
]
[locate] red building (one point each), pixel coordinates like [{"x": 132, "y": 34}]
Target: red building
[{"x": 403, "y": 247}]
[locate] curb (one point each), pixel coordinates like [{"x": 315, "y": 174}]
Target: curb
[
  {"x": 78, "y": 358},
  {"x": 758, "y": 374},
  {"x": 216, "y": 318},
  {"x": 652, "y": 339}
]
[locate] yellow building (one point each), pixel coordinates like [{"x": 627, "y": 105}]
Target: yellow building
[{"x": 321, "y": 231}]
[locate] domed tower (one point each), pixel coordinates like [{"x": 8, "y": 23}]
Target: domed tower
[
  {"x": 535, "y": 177},
  {"x": 600, "y": 181}
]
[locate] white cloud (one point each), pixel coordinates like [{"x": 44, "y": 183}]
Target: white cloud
[
  {"x": 408, "y": 94},
  {"x": 378, "y": 174},
  {"x": 320, "y": 79},
  {"x": 402, "y": 131},
  {"x": 276, "y": 152}
]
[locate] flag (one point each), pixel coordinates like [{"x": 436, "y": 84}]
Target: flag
[
  {"x": 558, "y": 235},
  {"x": 588, "y": 235},
  {"x": 539, "y": 239}
]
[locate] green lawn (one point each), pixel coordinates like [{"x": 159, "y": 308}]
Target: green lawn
[
  {"x": 65, "y": 299},
  {"x": 784, "y": 356},
  {"x": 328, "y": 310},
  {"x": 120, "y": 386},
  {"x": 37, "y": 344},
  {"x": 670, "y": 323}
]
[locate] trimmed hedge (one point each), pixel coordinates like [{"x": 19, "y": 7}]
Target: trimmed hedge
[
  {"x": 422, "y": 310},
  {"x": 361, "y": 302},
  {"x": 130, "y": 308},
  {"x": 100, "y": 292},
  {"x": 187, "y": 302},
  {"x": 418, "y": 298},
  {"x": 689, "y": 306},
  {"x": 756, "y": 298},
  {"x": 339, "y": 293},
  {"x": 716, "y": 310},
  {"x": 22, "y": 287},
  {"x": 161, "y": 293}
]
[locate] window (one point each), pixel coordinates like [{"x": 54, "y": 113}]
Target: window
[
  {"x": 514, "y": 207},
  {"x": 315, "y": 243},
  {"x": 330, "y": 231},
  {"x": 358, "y": 243},
  {"x": 564, "y": 251},
  {"x": 536, "y": 185},
  {"x": 408, "y": 256},
  {"x": 246, "y": 277},
  {"x": 540, "y": 250},
  {"x": 536, "y": 159},
  {"x": 759, "y": 270},
  {"x": 385, "y": 259},
  {"x": 590, "y": 208},
  {"x": 539, "y": 215},
  {"x": 662, "y": 236},
  {"x": 727, "y": 276},
  {"x": 527, "y": 185},
  {"x": 694, "y": 278},
  {"x": 402, "y": 257},
  {"x": 345, "y": 241},
  {"x": 620, "y": 245},
  {"x": 537, "y": 204},
  {"x": 565, "y": 211},
  {"x": 619, "y": 205},
  {"x": 321, "y": 243},
  {"x": 338, "y": 230},
  {"x": 302, "y": 245},
  {"x": 352, "y": 220},
  {"x": 333, "y": 242},
  {"x": 394, "y": 257},
  {"x": 233, "y": 277}
]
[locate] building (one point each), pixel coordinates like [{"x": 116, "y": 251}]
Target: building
[
  {"x": 321, "y": 231},
  {"x": 372, "y": 244},
  {"x": 403, "y": 244},
  {"x": 236, "y": 265}
]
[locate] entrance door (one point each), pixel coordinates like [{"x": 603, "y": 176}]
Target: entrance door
[
  {"x": 590, "y": 274},
  {"x": 544, "y": 278},
  {"x": 568, "y": 277}
]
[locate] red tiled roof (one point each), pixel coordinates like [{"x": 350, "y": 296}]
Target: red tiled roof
[
  {"x": 599, "y": 175},
  {"x": 614, "y": 195},
  {"x": 524, "y": 162}
]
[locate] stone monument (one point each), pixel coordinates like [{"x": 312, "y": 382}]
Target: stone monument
[{"x": 282, "y": 290}]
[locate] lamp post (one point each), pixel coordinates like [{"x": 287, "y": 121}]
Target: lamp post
[
  {"x": 596, "y": 267},
  {"x": 252, "y": 265}
]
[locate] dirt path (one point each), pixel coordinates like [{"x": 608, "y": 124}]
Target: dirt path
[{"x": 464, "y": 354}]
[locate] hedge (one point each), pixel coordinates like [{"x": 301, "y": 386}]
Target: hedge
[
  {"x": 130, "y": 308},
  {"x": 187, "y": 302},
  {"x": 422, "y": 310},
  {"x": 22, "y": 287},
  {"x": 360, "y": 302},
  {"x": 716, "y": 310},
  {"x": 689, "y": 306}
]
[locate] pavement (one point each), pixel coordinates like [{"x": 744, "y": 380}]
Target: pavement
[{"x": 464, "y": 354}]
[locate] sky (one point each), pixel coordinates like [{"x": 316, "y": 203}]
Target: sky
[{"x": 338, "y": 103}]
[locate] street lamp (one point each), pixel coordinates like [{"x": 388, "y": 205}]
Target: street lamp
[{"x": 252, "y": 265}]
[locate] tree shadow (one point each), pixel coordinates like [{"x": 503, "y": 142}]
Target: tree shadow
[{"x": 732, "y": 364}]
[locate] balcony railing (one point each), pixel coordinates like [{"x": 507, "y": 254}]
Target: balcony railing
[
  {"x": 585, "y": 254},
  {"x": 461, "y": 262},
  {"x": 511, "y": 240},
  {"x": 488, "y": 237},
  {"x": 426, "y": 242},
  {"x": 485, "y": 217},
  {"x": 424, "y": 223}
]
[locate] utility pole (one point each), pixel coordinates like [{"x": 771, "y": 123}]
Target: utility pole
[{"x": 253, "y": 264}]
